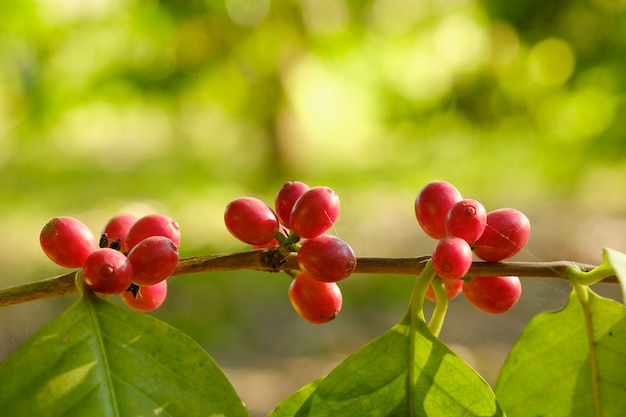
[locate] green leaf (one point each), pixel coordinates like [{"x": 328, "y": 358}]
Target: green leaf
[
  {"x": 569, "y": 362},
  {"x": 99, "y": 359},
  {"x": 618, "y": 262},
  {"x": 290, "y": 405},
  {"x": 404, "y": 372}
]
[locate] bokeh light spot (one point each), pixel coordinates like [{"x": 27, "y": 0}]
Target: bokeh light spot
[
  {"x": 578, "y": 116},
  {"x": 99, "y": 130},
  {"x": 396, "y": 16},
  {"x": 325, "y": 16},
  {"x": 504, "y": 44},
  {"x": 421, "y": 76},
  {"x": 332, "y": 113},
  {"x": 551, "y": 62},
  {"x": 247, "y": 13},
  {"x": 460, "y": 42}
]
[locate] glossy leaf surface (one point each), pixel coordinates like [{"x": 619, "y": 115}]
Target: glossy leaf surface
[
  {"x": 404, "y": 372},
  {"x": 289, "y": 406},
  {"x": 568, "y": 363},
  {"x": 99, "y": 359}
]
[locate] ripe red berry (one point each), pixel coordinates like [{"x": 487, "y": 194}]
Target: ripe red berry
[
  {"x": 452, "y": 257},
  {"x": 454, "y": 287},
  {"x": 505, "y": 235},
  {"x": 117, "y": 228},
  {"x": 326, "y": 258},
  {"x": 153, "y": 259},
  {"x": 493, "y": 294},
  {"x": 251, "y": 221},
  {"x": 432, "y": 205},
  {"x": 273, "y": 242},
  {"x": 466, "y": 219},
  {"x": 314, "y": 212},
  {"x": 286, "y": 197},
  {"x": 148, "y": 298},
  {"x": 67, "y": 241},
  {"x": 107, "y": 271},
  {"x": 152, "y": 225},
  {"x": 315, "y": 301}
]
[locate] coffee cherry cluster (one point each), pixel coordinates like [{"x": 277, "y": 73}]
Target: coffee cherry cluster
[
  {"x": 133, "y": 257},
  {"x": 300, "y": 212},
  {"x": 463, "y": 228}
]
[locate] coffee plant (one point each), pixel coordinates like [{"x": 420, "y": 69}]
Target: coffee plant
[{"x": 104, "y": 359}]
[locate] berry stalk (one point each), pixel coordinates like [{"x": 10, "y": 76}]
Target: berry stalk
[
  {"x": 590, "y": 277},
  {"x": 416, "y": 305},
  {"x": 441, "y": 307}
]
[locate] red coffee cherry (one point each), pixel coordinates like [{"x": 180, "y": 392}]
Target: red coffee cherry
[
  {"x": 67, "y": 241},
  {"x": 466, "y": 219},
  {"x": 251, "y": 221},
  {"x": 148, "y": 298},
  {"x": 152, "y": 225},
  {"x": 506, "y": 233},
  {"x": 153, "y": 259},
  {"x": 314, "y": 212},
  {"x": 315, "y": 301},
  {"x": 117, "y": 228},
  {"x": 107, "y": 271},
  {"x": 286, "y": 197},
  {"x": 493, "y": 294},
  {"x": 274, "y": 242},
  {"x": 432, "y": 205},
  {"x": 454, "y": 287},
  {"x": 326, "y": 258},
  {"x": 452, "y": 257}
]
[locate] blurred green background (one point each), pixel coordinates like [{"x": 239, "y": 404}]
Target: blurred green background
[{"x": 142, "y": 106}]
